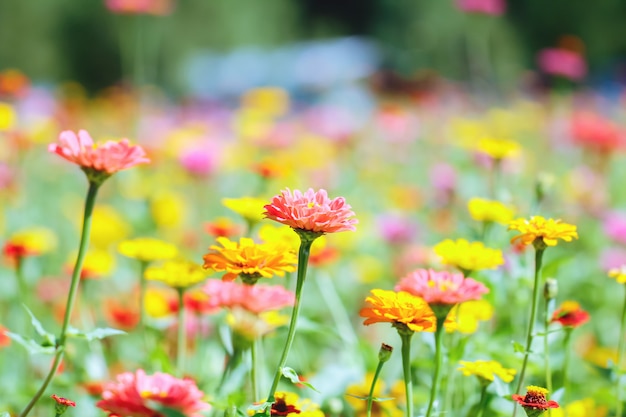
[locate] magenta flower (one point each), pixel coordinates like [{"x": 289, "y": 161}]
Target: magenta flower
[
  {"x": 614, "y": 225},
  {"x": 139, "y": 395},
  {"x": 489, "y": 7},
  {"x": 312, "y": 211},
  {"x": 253, "y": 298},
  {"x": 396, "y": 229},
  {"x": 441, "y": 288},
  {"x": 562, "y": 62},
  {"x": 107, "y": 158}
]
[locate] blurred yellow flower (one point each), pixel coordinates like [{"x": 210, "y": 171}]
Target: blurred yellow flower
[
  {"x": 249, "y": 260},
  {"x": 158, "y": 302},
  {"x": 253, "y": 326},
  {"x": 545, "y": 231},
  {"x": 498, "y": 149},
  {"x": 486, "y": 371},
  {"x": 107, "y": 226},
  {"x": 619, "y": 274},
  {"x": 273, "y": 101},
  {"x": 468, "y": 256},
  {"x": 177, "y": 274},
  {"x": 7, "y": 116},
  {"x": 250, "y": 208},
  {"x": 483, "y": 210},
  {"x": 465, "y": 318},
  {"x": 280, "y": 235},
  {"x": 356, "y": 395},
  {"x": 147, "y": 249},
  {"x": 168, "y": 209},
  {"x": 581, "y": 408},
  {"x": 98, "y": 263},
  {"x": 34, "y": 240}
]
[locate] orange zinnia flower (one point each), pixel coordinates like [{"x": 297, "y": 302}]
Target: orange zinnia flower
[
  {"x": 311, "y": 211},
  {"x": 539, "y": 229},
  {"x": 249, "y": 260},
  {"x": 534, "y": 402},
  {"x": 398, "y": 308},
  {"x": 570, "y": 314}
]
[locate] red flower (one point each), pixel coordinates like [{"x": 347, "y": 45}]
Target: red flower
[
  {"x": 534, "y": 402},
  {"x": 4, "y": 339},
  {"x": 569, "y": 314},
  {"x": 63, "y": 401}
]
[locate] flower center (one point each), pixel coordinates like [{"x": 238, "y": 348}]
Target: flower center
[{"x": 281, "y": 408}]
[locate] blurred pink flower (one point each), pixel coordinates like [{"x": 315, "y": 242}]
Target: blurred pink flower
[
  {"x": 614, "y": 225},
  {"x": 396, "y": 229},
  {"x": 253, "y": 298},
  {"x": 562, "y": 62},
  {"x": 199, "y": 161},
  {"x": 490, "y": 7},
  {"x": 133, "y": 394},
  {"x": 612, "y": 258},
  {"x": 441, "y": 287},
  {"x": 153, "y": 7},
  {"x": 312, "y": 211},
  {"x": 595, "y": 132},
  {"x": 109, "y": 157}
]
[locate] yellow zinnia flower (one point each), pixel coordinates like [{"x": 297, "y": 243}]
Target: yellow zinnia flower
[
  {"x": 498, "y": 149},
  {"x": 464, "y": 318},
  {"x": 147, "y": 249},
  {"x": 581, "y": 408},
  {"x": 176, "y": 274},
  {"x": 249, "y": 260},
  {"x": 158, "y": 302},
  {"x": 250, "y": 208},
  {"x": 107, "y": 226},
  {"x": 486, "y": 371},
  {"x": 541, "y": 230},
  {"x": 98, "y": 263},
  {"x": 289, "y": 404},
  {"x": 483, "y": 210},
  {"x": 34, "y": 240},
  {"x": 468, "y": 256},
  {"x": 356, "y": 395}
]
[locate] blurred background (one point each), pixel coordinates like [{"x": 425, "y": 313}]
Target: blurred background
[{"x": 223, "y": 47}]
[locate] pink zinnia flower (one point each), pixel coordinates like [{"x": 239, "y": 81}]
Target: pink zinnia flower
[
  {"x": 312, "y": 211},
  {"x": 253, "y": 298},
  {"x": 153, "y": 7},
  {"x": 443, "y": 287},
  {"x": 562, "y": 62},
  {"x": 396, "y": 229},
  {"x": 107, "y": 158},
  {"x": 490, "y": 7},
  {"x": 133, "y": 395}
]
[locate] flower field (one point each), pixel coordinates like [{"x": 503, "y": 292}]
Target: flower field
[{"x": 433, "y": 253}]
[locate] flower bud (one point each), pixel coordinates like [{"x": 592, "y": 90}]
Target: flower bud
[
  {"x": 61, "y": 404},
  {"x": 384, "y": 353},
  {"x": 550, "y": 289}
]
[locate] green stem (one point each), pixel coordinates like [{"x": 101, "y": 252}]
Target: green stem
[
  {"x": 370, "y": 397},
  {"x": 303, "y": 260},
  {"x": 182, "y": 333},
  {"x": 620, "y": 359},
  {"x": 406, "y": 366},
  {"x": 438, "y": 360},
  {"x": 483, "y": 401},
  {"x": 546, "y": 346},
  {"x": 143, "y": 265},
  {"x": 254, "y": 372},
  {"x": 71, "y": 298},
  {"x": 566, "y": 351},
  {"x": 531, "y": 323}
]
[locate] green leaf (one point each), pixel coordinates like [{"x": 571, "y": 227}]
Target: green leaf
[
  {"x": 375, "y": 399},
  {"x": 48, "y": 338},
  {"x": 31, "y": 346},
  {"x": 290, "y": 374},
  {"x": 96, "y": 334},
  {"x": 518, "y": 347},
  {"x": 260, "y": 407}
]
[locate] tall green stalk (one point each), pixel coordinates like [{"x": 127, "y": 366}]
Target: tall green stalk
[
  {"x": 406, "y": 366},
  {"x": 620, "y": 359},
  {"x": 438, "y": 360},
  {"x": 483, "y": 400},
  {"x": 383, "y": 356},
  {"x": 546, "y": 346},
  {"x": 531, "y": 324},
  {"x": 254, "y": 371},
  {"x": 306, "y": 240},
  {"x": 566, "y": 359},
  {"x": 181, "y": 345},
  {"x": 71, "y": 298}
]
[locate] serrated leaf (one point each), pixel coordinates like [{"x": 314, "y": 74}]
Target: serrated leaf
[
  {"x": 290, "y": 374},
  {"x": 37, "y": 325},
  {"x": 96, "y": 334},
  {"x": 31, "y": 346},
  {"x": 518, "y": 347}
]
